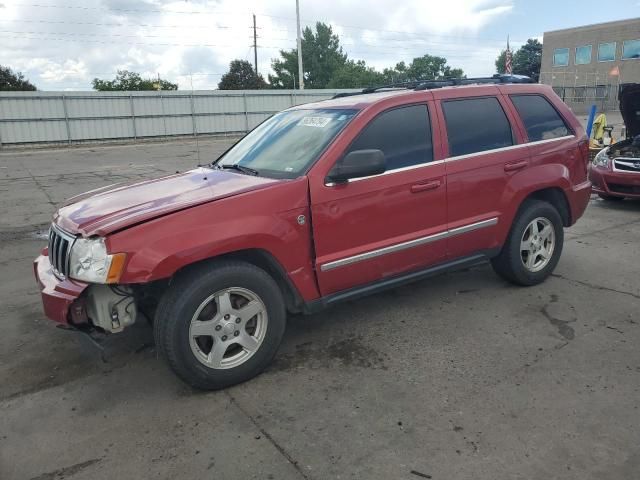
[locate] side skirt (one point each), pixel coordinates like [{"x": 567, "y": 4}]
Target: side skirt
[{"x": 396, "y": 281}]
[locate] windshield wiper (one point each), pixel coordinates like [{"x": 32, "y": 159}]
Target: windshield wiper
[{"x": 240, "y": 168}]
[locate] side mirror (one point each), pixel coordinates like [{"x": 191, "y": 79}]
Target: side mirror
[{"x": 358, "y": 164}]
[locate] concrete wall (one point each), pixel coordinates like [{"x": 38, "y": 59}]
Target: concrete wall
[
  {"x": 71, "y": 117},
  {"x": 585, "y": 84}
]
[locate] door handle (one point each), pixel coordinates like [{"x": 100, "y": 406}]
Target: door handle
[
  {"x": 510, "y": 167},
  {"x": 423, "y": 187}
]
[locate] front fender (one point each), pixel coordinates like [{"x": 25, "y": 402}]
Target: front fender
[{"x": 266, "y": 220}]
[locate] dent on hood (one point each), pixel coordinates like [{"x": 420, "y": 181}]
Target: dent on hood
[{"x": 112, "y": 208}]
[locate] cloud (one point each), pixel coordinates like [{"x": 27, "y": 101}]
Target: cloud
[{"x": 67, "y": 45}]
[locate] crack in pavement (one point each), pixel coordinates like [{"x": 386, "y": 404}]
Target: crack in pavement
[
  {"x": 594, "y": 286},
  {"x": 35, "y": 180},
  {"x": 67, "y": 471},
  {"x": 268, "y": 436}
]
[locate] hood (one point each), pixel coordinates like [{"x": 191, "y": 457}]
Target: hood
[
  {"x": 629, "y": 97},
  {"x": 112, "y": 208}
]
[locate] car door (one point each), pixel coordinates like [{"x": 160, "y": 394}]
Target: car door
[
  {"x": 484, "y": 148},
  {"x": 368, "y": 229}
]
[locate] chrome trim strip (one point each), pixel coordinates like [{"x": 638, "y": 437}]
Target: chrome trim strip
[
  {"x": 510, "y": 147},
  {"x": 389, "y": 172},
  {"x": 63, "y": 259},
  {"x": 473, "y": 226},
  {"x": 457, "y": 157},
  {"x": 408, "y": 244}
]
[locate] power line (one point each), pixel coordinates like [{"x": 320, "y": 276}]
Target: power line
[
  {"x": 378, "y": 47},
  {"x": 221, "y": 12},
  {"x": 375, "y": 51}
]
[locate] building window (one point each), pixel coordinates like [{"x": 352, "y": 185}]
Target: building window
[
  {"x": 630, "y": 49},
  {"x": 607, "y": 52},
  {"x": 561, "y": 57},
  {"x": 583, "y": 55}
]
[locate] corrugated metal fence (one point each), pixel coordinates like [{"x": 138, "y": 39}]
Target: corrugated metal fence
[{"x": 50, "y": 117}]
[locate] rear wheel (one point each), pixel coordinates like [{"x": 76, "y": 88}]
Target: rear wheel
[
  {"x": 610, "y": 198},
  {"x": 220, "y": 325},
  {"x": 534, "y": 245}
]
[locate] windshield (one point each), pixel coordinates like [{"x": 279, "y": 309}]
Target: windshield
[{"x": 287, "y": 144}]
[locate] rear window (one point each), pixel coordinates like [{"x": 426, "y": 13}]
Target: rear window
[
  {"x": 476, "y": 125},
  {"x": 403, "y": 135},
  {"x": 541, "y": 120}
]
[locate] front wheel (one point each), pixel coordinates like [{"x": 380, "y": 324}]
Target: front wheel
[
  {"x": 534, "y": 245},
  {"x": 220, "y": 324}
]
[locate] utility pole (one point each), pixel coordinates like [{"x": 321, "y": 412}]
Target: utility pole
[
  {"x": 300, "y": 71},
  {"x": 255, "y": 45}
]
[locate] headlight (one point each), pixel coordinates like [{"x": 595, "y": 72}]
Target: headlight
[
  {"x": 90, "y": 262},
  {"x": 602, "y": 158}
]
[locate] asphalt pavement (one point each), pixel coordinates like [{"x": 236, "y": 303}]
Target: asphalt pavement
[{"x": 462, "y": 376}]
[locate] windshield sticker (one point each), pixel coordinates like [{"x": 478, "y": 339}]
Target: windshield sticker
[{"x": 320, "y": 122}]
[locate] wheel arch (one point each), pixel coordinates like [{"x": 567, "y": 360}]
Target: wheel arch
[
  {"x": 260, "y": 258},
  {"x": 556, "y": 197}
]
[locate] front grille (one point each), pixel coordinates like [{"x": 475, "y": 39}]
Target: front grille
[
  {"x": 628, "y": 189},
  {"x": 627, "y": 165},
  {"x": 59, "y": 250}
]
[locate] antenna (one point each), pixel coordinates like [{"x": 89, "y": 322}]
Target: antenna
[{"x": 195, "y": 123}]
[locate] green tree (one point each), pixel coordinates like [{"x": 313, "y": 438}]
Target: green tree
[
  {"x": 426, "y": 67},
  {"x": 241, "y": 76},
  {"x": 528, "y": 58},
  {"x": 130, "y": 81},
  {"x": 322, "y": 57},
  {"x": 501, "y": 61},
  {"x": 14, "y": 81},
  {"x": 429, "y": 67},
  {"x": 355, "y": 75},
  {"x": 525, "y": 61}
]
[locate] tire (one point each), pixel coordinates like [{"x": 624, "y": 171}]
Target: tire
[
  {"x": 217, "y": 293},
  {"x": 610, "y": 198},
  {"x": 528, "y": 267}
]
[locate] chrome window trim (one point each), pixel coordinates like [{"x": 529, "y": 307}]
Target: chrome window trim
[
  {"x": 625, "y": 161},
  {"x": 408, "y": 244},
  {"x": 510, "y": 147},
  {"x": 453, "y": 159},
  {"x": 389, "y": 172}
]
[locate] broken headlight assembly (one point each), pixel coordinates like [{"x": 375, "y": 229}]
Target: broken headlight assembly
[
  {"x": 602, "y": 159},
  {"x": 90, "y": 262}
]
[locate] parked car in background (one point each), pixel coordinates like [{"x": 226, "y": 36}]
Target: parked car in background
[
  {"x": 615, "y": 172},
  {"x": 319, "y": 204}
]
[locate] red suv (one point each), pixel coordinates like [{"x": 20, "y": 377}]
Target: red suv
[{"x": 321, "y": 203}]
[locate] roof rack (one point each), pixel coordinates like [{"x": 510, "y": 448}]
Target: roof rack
[{"x": 445, "y": 82}]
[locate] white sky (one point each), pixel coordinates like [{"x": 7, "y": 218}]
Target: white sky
[{"x": 63, "y": 44}]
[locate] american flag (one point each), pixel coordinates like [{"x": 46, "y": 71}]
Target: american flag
[{"x": 507, "y": 60}]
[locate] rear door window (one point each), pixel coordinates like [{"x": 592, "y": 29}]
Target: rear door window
[
  {"x": 541, "y": 120},
  {"x": 403, "y": 135},
  {"x": 476, "y": 125}
]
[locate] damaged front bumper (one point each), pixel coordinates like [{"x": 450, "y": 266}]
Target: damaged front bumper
[{"x": 83, "y": 305}]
